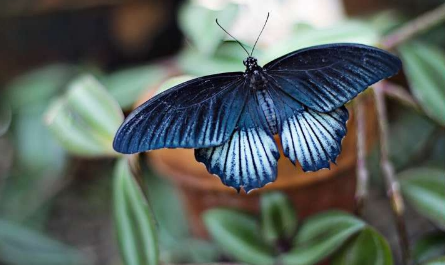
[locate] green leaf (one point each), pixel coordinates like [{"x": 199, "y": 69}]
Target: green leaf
[
  {"x": 409, "y": 135},
  {"x": 425, "y": 67},
  {"x": 127, "y": 85},
  {"x": 350, "y": 31},
  {"x": 134, "y": 219},
  {"x": 386, "y": 20},
  {"x": 368, "y": 248},
  {"x": 227, "y": 58},
  {"x": 20, "y": 245},
  {"x": 429, "y": 247},
  {"x": 424, "y": 189},
  {"x": 28, "y": 96},
  {"x": 203, "y": 32},
  {"x": 5, "y": 117},
  {"x": 175, "y": 241},
  {"x": 321, "y": 235},
  {"x": 85, "y": 119},
  {"x": 191, "y": 251},
  {"x": 238, "y": 235},
  {"x": 33, "y": 174},
  {"x": 171, "y": 82},
  {"x": 38, "y": 85},
  {"x": 438, "y": 261},
  {"x": 278, "y": 217}
]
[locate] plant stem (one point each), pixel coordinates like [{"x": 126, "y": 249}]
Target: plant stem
[
  {"x": 392, "y": 184},
  {"x": 399, "y": 93},
  {"x": 362, "y": 172},
  {"x": 414, "y": 27}
]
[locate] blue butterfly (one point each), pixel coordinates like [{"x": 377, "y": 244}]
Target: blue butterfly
[{"x": 230, "y": 118}]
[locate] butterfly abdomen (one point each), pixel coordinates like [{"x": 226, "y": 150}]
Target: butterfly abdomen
[{"x": 268, "y": 107}]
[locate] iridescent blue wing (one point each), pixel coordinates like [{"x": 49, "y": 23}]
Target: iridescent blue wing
[
  {"x": 202, "y": 112},
  {"x": 249, "y": 158},
  {"x": 312, "y": 138},
  {"x": 325, "y": 77}
]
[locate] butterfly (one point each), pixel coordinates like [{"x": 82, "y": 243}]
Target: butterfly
[{"x": 230, "y": 119}]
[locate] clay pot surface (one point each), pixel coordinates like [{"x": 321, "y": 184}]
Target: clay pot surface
[{"x": 309, "y": 192}]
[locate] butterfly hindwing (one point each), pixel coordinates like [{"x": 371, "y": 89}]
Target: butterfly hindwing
[
  {"x": 249, "y": 158},
  {"x": 313, "y": 138},
  {"x": 325, "y": 77},
  {"x": 202, "y": 112}
]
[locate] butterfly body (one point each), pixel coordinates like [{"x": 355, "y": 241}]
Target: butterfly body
[
  {"x": 230, "y": 119},
  {"x": 258, "y": 83}
]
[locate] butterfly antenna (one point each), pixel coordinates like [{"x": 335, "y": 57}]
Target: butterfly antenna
[
  {"x": 260, "y": 34},
  {"x": 232, "y": 37}
]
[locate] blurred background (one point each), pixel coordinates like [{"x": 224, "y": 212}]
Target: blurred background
[{"x": 71, "y": 70}]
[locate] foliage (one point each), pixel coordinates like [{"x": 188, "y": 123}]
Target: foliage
[
  {"x": 85, "y": 119},
  {"x": 424, "y": 188},
  {"x": 424, "y": 65},
  {"x": 319, "y": 237},
  {"x": 369, "y": 247},
  {"x": 134, "y": 219},
  {"x": 18, "y": 246},
  {"x": 429, "y": 247}
]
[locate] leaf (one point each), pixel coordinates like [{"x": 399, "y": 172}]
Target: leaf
[
  {"x": 85, "y": 119},
  {"x": 278, "y": 217},
  {"x": 424, "y": 66},
  {"x": 171, "y": 82},
  {"x": 321, "y": 235},
  {"x": 238, "y": 235},
  {"x": 438, "y": 261},
  {"x": 190, "y": 251},
  {"x": 409, "y": 135},
  {"x": 5, "y": 117},
  {"x": 38, "y": 85},
  {"x": 203, "y": 32},
  {"x": 350, "y": 31},
  {"x": 28, "y": 96},
  {"x": 20, "y": 245},
  {"x": 424, "y": 189},
  {"x": 369, "y": 247},
  {"x": 38, "y": 158},
  {"x": 127, "y": 85},
  {"x": 227, "y": 58},
  {"x": 134, "y": 220},
  {"x": 429, "y": 247},
  {"x": 386, "y": 20},
  {"x": 176, "y": 244}
]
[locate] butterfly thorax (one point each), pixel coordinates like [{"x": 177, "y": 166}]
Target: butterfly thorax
[{"x": 258, "y": 83}]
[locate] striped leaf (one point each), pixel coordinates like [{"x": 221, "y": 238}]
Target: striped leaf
[
  {"x": 85, "y": 119},
  {"x": 237, "y": 234},
  {"x": 425, "y": 67},
  {"x": 320, "y": 236},
  {"x": 135, "y": 225},
  {"x": 369, "y": 247},
  {"x": 424, "y": 189},
  {"x": 278, "y": 218},
  {"x": 20, "y": 245}
]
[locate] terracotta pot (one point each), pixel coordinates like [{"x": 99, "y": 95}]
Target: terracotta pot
[{"x": 309, "y": 192}]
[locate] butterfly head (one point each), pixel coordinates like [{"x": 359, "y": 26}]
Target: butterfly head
[{"x": 251, "y": 64}]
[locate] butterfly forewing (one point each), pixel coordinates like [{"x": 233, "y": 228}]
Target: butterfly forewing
[
  {"x": 325, "y": 77},
  {"x": 202, "y": 112}
]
